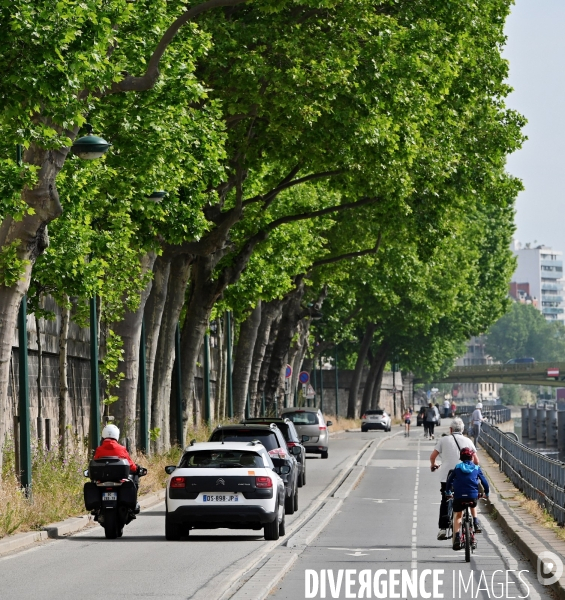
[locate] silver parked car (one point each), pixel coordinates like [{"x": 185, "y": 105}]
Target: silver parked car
[
  {"x": 376, "y": 419},
  {"x": 310, "y": 422}
]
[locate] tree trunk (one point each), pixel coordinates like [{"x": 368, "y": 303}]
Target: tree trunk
[
  {"x": 378, "y": 383},
  {"x": 202, "y": 298},
  {"x": 129, "y": 329},
  {"x": 63, "y": 376},
  {"x": 297, "y": 352},
  {"x": 153, "y": 314},
  {"x": 220, "y": 373},
  {"x": 355, "y": 383},
  {"x": 244, "y": 358},
  {"x": 269, "y": 311},
  {"x": 378, "y": 361},
  {"x": 266, "y": 364},
  {"x": 165, "y": 357},
  {"x": 29, "y": 237}
]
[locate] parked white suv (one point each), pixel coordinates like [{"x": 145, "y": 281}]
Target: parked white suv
[
  {"x": 376, "y": 419},
  {"x": 231, "y": 484}
]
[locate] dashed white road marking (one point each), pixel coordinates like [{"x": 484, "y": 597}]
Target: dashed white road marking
[{"x": 414, "y": 563}]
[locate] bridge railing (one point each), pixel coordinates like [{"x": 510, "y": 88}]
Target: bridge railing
[{"x": 538, "y": 477}]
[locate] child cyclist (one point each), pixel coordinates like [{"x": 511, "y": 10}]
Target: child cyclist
[
  {"x": 407, "y": 416},
  {"x": 463, "y": 482}
]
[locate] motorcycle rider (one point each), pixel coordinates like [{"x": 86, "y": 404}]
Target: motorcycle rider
[{"x": 111, "y": 447}]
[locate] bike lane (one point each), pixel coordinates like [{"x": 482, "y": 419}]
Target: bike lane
[{"x": 388, "y": 523}]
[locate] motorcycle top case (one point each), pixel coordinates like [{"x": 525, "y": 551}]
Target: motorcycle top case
[
  {"x": 92, "y": 496},
  {"x": 108, "y": 468}
]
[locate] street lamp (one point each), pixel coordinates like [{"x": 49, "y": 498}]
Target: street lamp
[{"x": 90, "y": 147}]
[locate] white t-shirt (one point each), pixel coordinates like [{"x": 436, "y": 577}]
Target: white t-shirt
[
  {"x": 449, "y": 452},
  {"x": 446, "y": 404},
  {"x": 477, "y": 416}
]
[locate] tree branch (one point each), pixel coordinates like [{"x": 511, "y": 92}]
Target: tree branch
[
  {"x": 334, "y": 259},
  {"x": 288, "y": 183},
  {"x": 149, "y": 78}
]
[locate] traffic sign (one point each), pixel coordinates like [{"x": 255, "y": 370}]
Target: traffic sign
[
  {"x": 288, "y": 371},
  {"x": 553, "y": 372},
  {"x": 304, "y": 377}
]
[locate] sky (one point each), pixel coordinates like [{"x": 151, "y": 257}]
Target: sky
[{"x": 536, "y": 52}]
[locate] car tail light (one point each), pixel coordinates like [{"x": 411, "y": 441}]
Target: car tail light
[
  {"x": 322, "y": 427},
  {"x": 263, "y": 482},
  {"x": 291, "y": 444},
  {"x": 364, "y": 417},
  {"x": 178, "y": 482}
]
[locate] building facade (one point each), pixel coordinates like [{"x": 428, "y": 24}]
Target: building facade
[
  {"x": 538, "y": 279},
  {"x": 475, "y": 392}
]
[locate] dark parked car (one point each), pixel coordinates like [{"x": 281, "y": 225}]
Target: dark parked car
[
  {"x": 293, "y": 440},
  {"x": 272, "y": 438}
]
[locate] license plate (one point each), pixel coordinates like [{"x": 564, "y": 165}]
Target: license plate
[
  {"x": 220, "y": 498},
  {"x": 109, "y": 496},
  {"x": 375, "y": 418}
]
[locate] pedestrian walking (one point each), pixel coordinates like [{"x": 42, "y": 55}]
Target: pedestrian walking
[
  {"x": 453, "y": 408},
  {"x": 448, "y": 449},
  {"x": 431, "y": 418},
  {"x": 407, "y": 416},
  {"x": 446, "y": 408},
  {"x": 476, "y": 420}
]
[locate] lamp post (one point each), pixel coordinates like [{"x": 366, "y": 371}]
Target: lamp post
[
  {"x": 321, "y": 385},
  {"x": 336, "y": 386},
  {"x": 207, "y": 404},
  {"x": 178, "y": 384},
  {"x": 91, "y": 147},
  {"x": 25, "y": 437},
  {"x": 143, "y": 408},
  {"x": 229, "y": 365}
]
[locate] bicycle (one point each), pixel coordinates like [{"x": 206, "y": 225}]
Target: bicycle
[{"x": 467, "y": 531}]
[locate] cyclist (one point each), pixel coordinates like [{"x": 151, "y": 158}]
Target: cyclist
[
  {"x": 448, "y": 448},
  {"x": 464, "y": 480}
]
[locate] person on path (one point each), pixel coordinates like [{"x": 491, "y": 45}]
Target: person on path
[
  {"x": 476, "y": 420},
  {"x": 407, "y": 416},
  {"x": 463, "y": 483},
  {"x": 446, "y": 407},
  {"x": 448, "y": 449},
  {"x": 453, "y": 408},
  {"x": 430, "y": 419}
]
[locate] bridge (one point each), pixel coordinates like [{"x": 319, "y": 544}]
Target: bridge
[{"x": 524, "y": 373}]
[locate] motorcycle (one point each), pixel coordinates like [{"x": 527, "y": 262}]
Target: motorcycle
[{"x": 111, "y": 495}]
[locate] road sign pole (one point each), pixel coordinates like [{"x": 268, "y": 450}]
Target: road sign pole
[
  {"x": 321, "y": 386},
  {"x": 94, "y": 383},
  {"x": 207, "y": 401},
  {"x": 314, "y": 381},
  {"x": 25, "y": 434},
  {"x": 229, "y": 365},
  {"x": 143, "y": 409},
  {"x": 336, "y": 386}
]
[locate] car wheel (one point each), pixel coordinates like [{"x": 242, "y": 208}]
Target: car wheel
[
  {"x": 172, "y": 530},
  {"x": 289, "y": 505},
  {"x": 282, "y": 525},
  {"x": 300, "y": 481},
  {"x": 296, "y": 500},
  {"x": 271, "y": 530},
  {"x": 325, "y": 454},
  {"x": 363, "y": 430},
  {"x": 304, "y": 476}
]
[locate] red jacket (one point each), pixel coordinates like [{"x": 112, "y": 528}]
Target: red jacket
[{"x": 110, "y": 447}]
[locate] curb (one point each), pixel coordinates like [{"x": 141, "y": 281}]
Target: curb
[
  {"x": 22, "y": 541},
  {"x": 520, "y": 534}
]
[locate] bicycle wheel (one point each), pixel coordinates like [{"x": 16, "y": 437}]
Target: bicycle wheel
[{"x": 467, "y": 534}]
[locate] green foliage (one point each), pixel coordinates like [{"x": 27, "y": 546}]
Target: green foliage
[
  {"x": 109, "y": 366},
  {"x": 524, "y": 331},
  {"x": 516, "y": 395},
  {"x": 12, "y": 268}
]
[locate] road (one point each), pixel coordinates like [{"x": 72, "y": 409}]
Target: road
[
  {"x": 143, "y": 564},
  {"x": 387, "y": 521}
]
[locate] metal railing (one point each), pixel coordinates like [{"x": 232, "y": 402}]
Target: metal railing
[
  {"x": 534, "y": 474},
  {"x": 495, "y": 414}
]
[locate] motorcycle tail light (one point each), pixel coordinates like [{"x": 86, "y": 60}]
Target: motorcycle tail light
[
  {"x": 178, "y": 482},
  {"x": 263, "y": 482}
]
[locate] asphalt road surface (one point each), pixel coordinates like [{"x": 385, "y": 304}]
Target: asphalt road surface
[
  {"x": 143, "y": 564},
  {"x": 388, "y": 521}
]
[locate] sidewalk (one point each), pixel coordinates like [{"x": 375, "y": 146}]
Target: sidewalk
[{"x": 525, "y": 532}]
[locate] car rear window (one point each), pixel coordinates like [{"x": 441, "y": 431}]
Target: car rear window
[
  {"x": 303, "y": 418},
  {"x": 374, "y": 412},
  {"x": 284, "y": 429},
  {"x": 220, "y": 459},
  {"x": 267, "y": 438}
]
